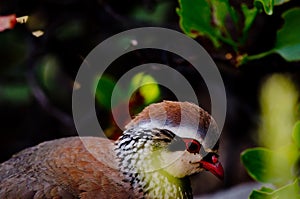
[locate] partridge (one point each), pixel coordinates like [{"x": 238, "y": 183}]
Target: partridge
[{"x": 158, "y": 151}]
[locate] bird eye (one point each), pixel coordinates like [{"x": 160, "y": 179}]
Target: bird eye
[{"x": 192, "y": 146}]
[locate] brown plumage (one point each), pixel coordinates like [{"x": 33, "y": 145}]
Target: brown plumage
[
  {"x": 140, "y": 164},
  {"x": 64, "y": 168}
]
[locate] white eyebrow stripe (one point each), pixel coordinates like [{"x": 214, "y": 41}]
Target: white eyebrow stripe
[{"x": 182, "y": 131}]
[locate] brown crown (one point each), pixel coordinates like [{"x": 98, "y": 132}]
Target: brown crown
[{"x": 191, "y": 114}]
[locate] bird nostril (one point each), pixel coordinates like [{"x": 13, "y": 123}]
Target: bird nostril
[{"x": 211, "y": 157}]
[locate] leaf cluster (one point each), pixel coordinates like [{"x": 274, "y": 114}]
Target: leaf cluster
[
  {"x": 227, "y": 25},
  {"x": 283, "y": 176}
]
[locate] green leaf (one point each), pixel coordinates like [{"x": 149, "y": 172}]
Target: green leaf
[
  {"x": 288, "y": 40},
  {"x": 195, "y": 19},
  {"x": 296, "y": 134},
  {"x": 221, "y": 10},
  {"x": 250, "y": 15},
  {"x": 257, "y": 194},
  {"x": 207, "y": 18},
  {"x": 262, "y": 193},
  {"x": 290, "y": 191},
  {"x": 255, "y": 161},
  {"x": 267, "y": 166},
  {"x": 267, "y": 5}
]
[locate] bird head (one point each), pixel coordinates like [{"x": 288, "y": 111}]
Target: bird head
[
  {"x": 180, "y": 128},
  {"x": 170, "y": 138}
]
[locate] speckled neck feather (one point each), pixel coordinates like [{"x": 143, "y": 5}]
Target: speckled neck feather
[{"x": 135, "y": 151}]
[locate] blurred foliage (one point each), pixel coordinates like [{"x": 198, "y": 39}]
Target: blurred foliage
[
  {"x": 144, "y": 84},
  {"x": 51, "y": 79},
  {"x": 278, "y": 99},
  {"x": 157, "y": 16},
  {"x": 15, "y": 94},
  {"x": 13, "y": 50},
  {"x": 105, "y": 87},
  {"x": 278, "y": 133},
  {"x": 137, "y": 94},
  {"x": 225, "y": 24},
  {"x": 296, "y": 134},
  {"x": 48, "y": 72},
  {"x": 147, "y": 87}
]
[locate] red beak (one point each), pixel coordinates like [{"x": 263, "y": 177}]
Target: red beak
[{"x": 215, "y": 167}]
